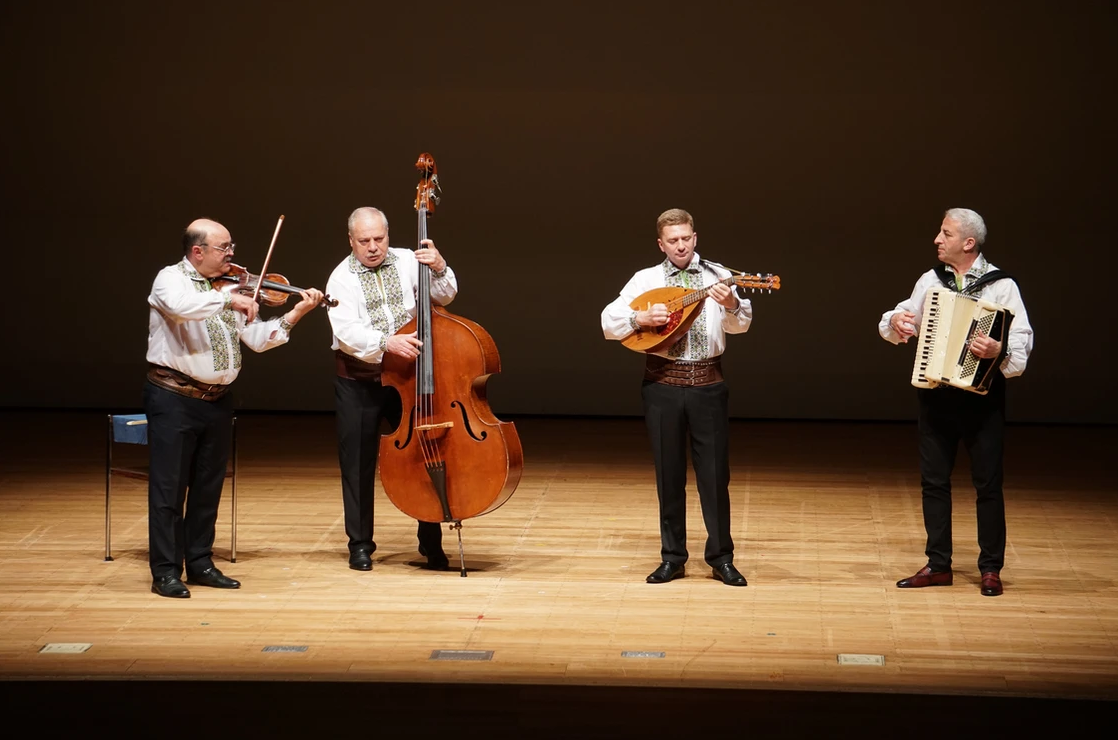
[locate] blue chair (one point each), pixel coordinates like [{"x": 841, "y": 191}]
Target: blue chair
[{"x": 133, "y": 429}]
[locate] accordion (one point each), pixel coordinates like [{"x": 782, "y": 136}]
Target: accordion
[{"x": 943, "y": 354}]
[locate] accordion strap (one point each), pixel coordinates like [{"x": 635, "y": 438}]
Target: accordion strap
[{"x": 948, "y": 279}]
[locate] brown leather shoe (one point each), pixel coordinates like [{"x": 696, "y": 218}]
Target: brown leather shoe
[
  {"x": 926, "y": 577},
  {"x": 991, "y": 584}
]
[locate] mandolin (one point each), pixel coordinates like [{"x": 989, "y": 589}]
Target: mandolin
[{"x": 684, "y": 305}]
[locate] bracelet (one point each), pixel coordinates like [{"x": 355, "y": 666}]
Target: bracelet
[
  {"x": 633, "y": 321},
  {"x": 285, "y": 325},
  {"x": 383, "y": 343},
  {"x": 441, "y": 274}
]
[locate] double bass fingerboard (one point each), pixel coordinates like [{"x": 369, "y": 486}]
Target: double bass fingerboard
[{"x": 426, "y": 367}]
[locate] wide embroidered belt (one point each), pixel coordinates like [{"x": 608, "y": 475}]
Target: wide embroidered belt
[
  {"x": 351, "y": 368},
  {"x": 184, "y": 385},
  {"x": 686, "y": 373}
]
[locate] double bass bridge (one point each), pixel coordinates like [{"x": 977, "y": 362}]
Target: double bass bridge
[{"x": 434, "y": 431}]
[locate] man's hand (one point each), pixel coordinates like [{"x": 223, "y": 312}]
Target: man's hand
[
  {"x": 430, "y": 256},
  {"x": 245, "y": 304},
  {"x": 404, "y": 345},
  {"x": 723, "y": 295},
  {"x": 311, "y": 298},
  {"x": 657, "y": 315},
  {"x": 985, "y": 348},
  {"x": 902, "y": 324}
]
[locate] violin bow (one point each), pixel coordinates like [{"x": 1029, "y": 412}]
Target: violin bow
[{"x": 267, "y": 259}]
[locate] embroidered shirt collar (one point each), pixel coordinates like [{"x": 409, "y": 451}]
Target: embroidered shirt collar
[
  {"x": 190, "y": 272},
  {"x": 357, "y": 268},
  {"x": 977, "y": 269},
  {"x": 693, "y": 267}
]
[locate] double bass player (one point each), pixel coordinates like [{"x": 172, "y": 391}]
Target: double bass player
[{"x": 375, "y": 286}]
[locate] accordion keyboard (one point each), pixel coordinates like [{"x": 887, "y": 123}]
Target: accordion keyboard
[{"x": 934, "y": 306}]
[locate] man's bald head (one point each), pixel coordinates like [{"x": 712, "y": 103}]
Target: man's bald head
[{"x": 197, "y": 232}]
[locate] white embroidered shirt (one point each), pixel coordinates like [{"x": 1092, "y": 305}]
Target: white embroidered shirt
[{"x": 192, "y": 329}]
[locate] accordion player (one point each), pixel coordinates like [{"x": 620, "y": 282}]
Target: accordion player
[{"x": 950, "y": 320}]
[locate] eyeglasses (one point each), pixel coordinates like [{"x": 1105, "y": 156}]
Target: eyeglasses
[{"x": 224, "y": 248}]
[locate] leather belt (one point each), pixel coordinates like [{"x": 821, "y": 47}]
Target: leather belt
[
  {"x": 351, "y": 368},
  {"x": 685, "y": 373},
  {"x": 184, "y": 385}
]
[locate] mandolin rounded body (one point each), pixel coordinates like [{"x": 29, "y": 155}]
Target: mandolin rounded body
[
  {"x": 454, "y": 427},
  {"x": 655, "y": 338}
]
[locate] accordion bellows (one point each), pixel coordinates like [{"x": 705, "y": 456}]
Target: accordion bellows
[{"x": 943, "y": 354}]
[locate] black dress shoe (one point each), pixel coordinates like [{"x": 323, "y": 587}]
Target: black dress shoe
[
  {"x": 666, "y": 572},
  {"x": 360, "y": 560},
  {"x": 437, "y": 561},
  {"x": 170, "y": 586},
  {"x": 729, "y": 575},
  {"x": 214, "y": 578}
]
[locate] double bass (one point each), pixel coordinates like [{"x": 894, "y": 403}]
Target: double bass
[{"x": 450, "y": 458}]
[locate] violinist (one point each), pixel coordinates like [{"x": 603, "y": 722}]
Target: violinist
[
  {"x": 194, "y": 335},
  {"x": 684, "y": 395},
  {"x": 375, "y": 287}
]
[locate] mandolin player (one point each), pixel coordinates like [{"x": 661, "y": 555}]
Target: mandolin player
[{"x": 684, "y": 393}]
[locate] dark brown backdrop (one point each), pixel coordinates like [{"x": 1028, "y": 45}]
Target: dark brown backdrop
[{"x": 819, "y": 141}]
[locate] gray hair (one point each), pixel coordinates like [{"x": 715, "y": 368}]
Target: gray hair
[
  {"x": 192, "y": 238},
  {"x": 970, "y": 223},
  {"x": 365, "y": 212}
]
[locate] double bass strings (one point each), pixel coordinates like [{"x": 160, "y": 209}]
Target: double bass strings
[{"x": 424, "y": 387}]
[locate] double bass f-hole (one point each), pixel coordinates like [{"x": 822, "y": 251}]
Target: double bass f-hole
[{"x": 466, "y": 421}]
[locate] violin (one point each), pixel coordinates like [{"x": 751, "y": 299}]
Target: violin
[{"x": 274, "y": 290}]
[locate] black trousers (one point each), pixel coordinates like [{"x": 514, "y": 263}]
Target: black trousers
[
  {"x": 361, "y": 407},
  {"x": 949, "y": 416},
  {"x": 188, "y": 449},
  {"x": 671, "y": 413}
]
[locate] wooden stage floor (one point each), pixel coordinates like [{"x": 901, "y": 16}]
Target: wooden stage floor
[{"x": 826, "y": 519}]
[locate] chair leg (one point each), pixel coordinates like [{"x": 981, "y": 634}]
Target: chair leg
[
  {"x": 108, "y": 490},
  {"x": 233, "y": 498}
]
